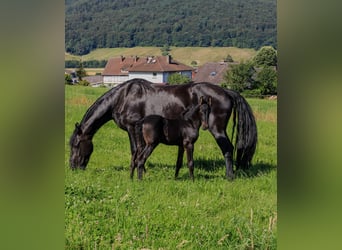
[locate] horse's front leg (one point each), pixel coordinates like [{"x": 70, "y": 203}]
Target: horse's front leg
[
  {"x": 134, "y": 149},
  {"x": 179, "y": 160},
  {"x": 189, "y": 148},
  {"x": 142, "y": 157}
]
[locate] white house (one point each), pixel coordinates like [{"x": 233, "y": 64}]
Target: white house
[
  {"x": 117, "y": 69},
  {"x": 157, "y": 69},
  {"x": 154, "y": 69}
]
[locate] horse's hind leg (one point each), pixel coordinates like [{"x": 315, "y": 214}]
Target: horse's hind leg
[
  {"x": 179, "y": 160},
  {"x": 227, "y": 150}
]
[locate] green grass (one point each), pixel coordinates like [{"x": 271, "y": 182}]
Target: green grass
[
  {"x": 104, "y": 209},
  {"x": 182, "y": 54}
]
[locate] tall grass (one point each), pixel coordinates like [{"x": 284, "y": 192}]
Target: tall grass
[{"x": 104, "y": 209}]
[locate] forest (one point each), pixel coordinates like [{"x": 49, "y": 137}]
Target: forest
[{"x": 92, "y": 24}]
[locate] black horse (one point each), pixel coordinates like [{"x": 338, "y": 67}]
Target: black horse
[
  {"x": 182, "y": 132},
  {"x": 129, "y": 102}
]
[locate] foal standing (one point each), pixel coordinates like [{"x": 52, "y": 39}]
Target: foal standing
[{"x": 183, "y": 132}]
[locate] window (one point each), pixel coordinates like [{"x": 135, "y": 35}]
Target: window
[{"x": 154, "y": 75}]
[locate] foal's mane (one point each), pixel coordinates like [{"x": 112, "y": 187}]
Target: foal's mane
[{"x": 188, "y": 113}]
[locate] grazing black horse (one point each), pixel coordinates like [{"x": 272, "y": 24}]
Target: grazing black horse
[
  {"x": 183, "y": 132},
  {"x": 129, "y": 102}
]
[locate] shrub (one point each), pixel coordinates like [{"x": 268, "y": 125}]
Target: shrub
[
  {"x": 177, "y": 78},
  {"x": 67, "y": 79},
  {"x": 83, "y": 83}
]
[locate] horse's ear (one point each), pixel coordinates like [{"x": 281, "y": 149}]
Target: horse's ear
[
  {"x": 209, "y": 100},
  {"x": 201, "y": 100}
]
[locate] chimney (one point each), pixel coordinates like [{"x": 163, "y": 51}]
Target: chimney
[{"x": 168, "y": 59}]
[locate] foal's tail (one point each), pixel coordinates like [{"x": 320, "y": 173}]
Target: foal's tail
[{"x": 246, "y": 136}]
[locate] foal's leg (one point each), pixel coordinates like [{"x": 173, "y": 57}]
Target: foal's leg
[
  {"x": 179, "y": 160},
  {"x": 189, "y": 147}
]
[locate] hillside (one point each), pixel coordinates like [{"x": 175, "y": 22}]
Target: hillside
[
  {"x": 182, "y": 54},
  {"x": 91, "y": 24}
]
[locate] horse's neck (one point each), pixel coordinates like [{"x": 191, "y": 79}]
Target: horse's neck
[
  {"x": 191, "y": 116},
  {"x": 95, "y": 118}
]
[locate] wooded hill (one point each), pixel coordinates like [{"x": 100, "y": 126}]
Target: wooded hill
[{"x": 91, "y": 24}]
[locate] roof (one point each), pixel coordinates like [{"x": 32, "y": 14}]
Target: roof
[
  {"x": 160, "y": 64},
  {"x": 122, "y": 65},
  {"x": 212, "y": 72}
]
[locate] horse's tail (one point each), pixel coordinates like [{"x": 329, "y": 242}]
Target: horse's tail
[{"x": 246, "y": 136}]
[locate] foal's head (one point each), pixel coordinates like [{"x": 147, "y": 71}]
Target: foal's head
[
  {"x": 199, "y": 114},
  {"x": 204, "y": 111},
  {"x": 81, "y": 148}
]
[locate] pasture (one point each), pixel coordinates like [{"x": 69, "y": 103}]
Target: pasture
[
  {"x": 105, "y": 209},
  {"x": 182, "y": 54}
]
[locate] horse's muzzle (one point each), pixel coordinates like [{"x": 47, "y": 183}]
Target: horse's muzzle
[{"x": 205, "y": 126}]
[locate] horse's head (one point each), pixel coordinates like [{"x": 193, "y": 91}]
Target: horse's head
[
  {"x": 81, "y": 148},
  {"x": 205, "y": 104}
]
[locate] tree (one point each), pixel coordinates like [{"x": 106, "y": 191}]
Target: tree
[
  {"x": 165, "y": 50},
  {"x": 239, "y": 77},
  {"x": 193, "y": 63},
  {"x": 267, "y": 79},
  {"x": 266, "y": 56},
  {"x": 177, "y": 78},
  {"x": 228, "y": 58},
  {"x": 80, "y": 72}
]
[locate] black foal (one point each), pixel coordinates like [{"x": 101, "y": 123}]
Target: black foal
[{"x": 183, "y": 132}]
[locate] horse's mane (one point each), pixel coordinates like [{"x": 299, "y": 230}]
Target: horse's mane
[{"x": 138, "y": 87}]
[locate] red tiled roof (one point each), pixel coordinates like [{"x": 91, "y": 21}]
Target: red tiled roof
[
  {"x": 120, "y": 66},
  {"x": 160, "y": 64}
]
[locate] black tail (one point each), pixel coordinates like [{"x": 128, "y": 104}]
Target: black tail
[{"x": 246, "y": 136}]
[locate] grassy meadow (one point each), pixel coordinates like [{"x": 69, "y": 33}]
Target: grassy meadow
[{"x": 105, "y": 209}]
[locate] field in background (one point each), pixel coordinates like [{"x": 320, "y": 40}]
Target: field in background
[
  {"x": 182, "y": 54},
  {"x": 104, "y": 209}
]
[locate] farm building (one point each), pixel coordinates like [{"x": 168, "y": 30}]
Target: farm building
[
  {"x": 155, "y": 69},
  {"x": 212, "y": 72},
  {"x": 116, "y": 70}
]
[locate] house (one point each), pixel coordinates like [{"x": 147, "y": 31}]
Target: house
[
  {"x": 117, "y": 69},
  {"x": 158, "y": 69},
  {"x": 155, "y": 69},
  {"x": 212, "y": 72}
]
